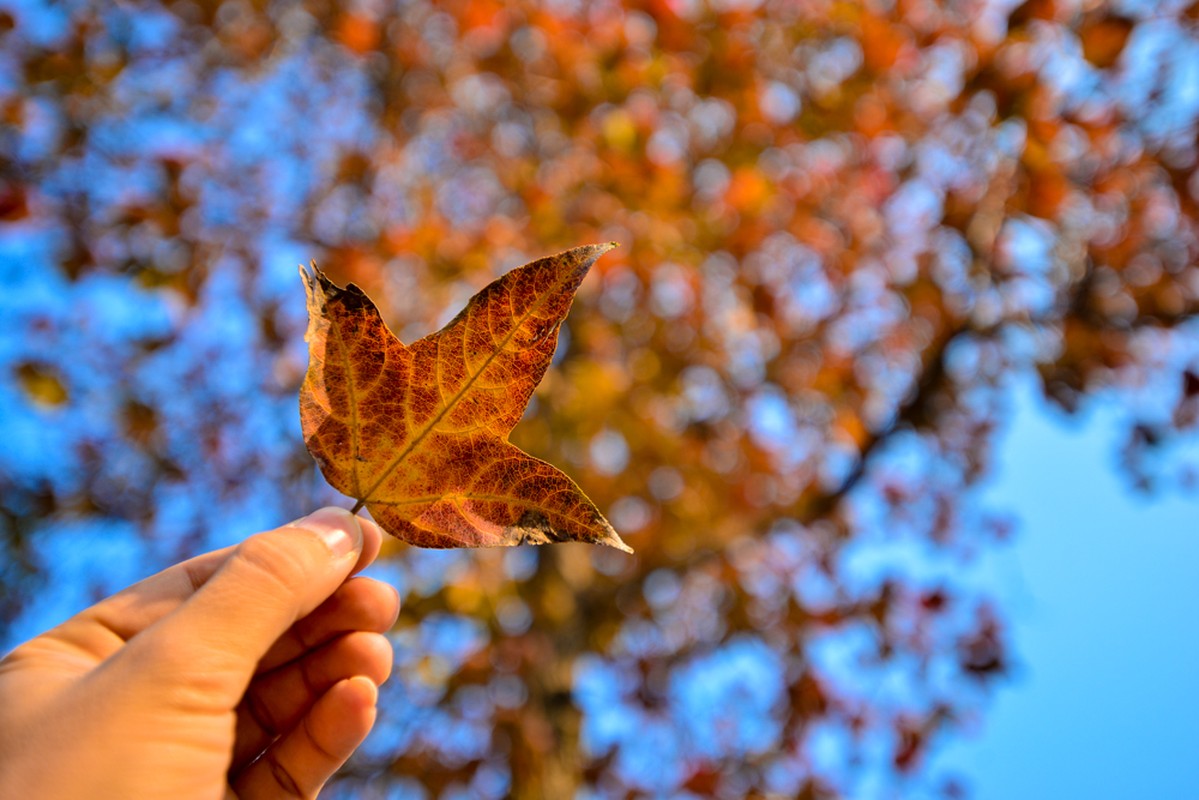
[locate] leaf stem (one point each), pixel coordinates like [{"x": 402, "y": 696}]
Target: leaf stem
[{"x": 357, "y": 507}]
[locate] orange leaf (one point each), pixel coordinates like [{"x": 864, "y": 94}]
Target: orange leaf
[{"x": 419, "y": 434}]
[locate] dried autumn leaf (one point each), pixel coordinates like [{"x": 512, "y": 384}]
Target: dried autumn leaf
[{"x": 419, "y": 433}]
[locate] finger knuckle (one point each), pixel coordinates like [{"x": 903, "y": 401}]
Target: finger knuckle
[
  {"x": 321, "y": 750},
  {"x": 177, "y": 677},
  {"x": 283, "y": 778},
  {"x": 260, "y": 712},
  {"x": 267, "y": 557}
]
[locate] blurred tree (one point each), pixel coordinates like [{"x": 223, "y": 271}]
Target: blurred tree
[{"x": 845, "y": 226}]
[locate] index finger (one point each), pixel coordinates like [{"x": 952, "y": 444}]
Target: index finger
[{"x": 132, "y": 610}]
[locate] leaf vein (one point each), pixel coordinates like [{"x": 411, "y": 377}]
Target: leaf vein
[
  {"x": 467, "y": 384},
  {"x": 351, "y": 389}
]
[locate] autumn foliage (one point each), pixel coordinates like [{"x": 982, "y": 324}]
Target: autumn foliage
[{"x": 846, "y": 229}]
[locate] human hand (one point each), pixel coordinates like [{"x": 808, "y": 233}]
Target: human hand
[{"x": 248, "y": 672}]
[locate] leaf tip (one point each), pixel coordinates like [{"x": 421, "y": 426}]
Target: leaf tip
[
  {"x": 591, "y": 252},
  {"x": 313, "y": 289},
  {"x": 310, "y": 274},
  {"x": 604, "y": 247},
  {"x": 619, "y": 545},
  {"x": 612, "y": 539}
]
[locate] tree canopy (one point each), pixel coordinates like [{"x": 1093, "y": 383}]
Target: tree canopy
[{"x": 844, "y": 228}]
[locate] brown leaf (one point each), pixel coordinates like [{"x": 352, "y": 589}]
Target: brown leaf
[{"x": 419, "y": 434}]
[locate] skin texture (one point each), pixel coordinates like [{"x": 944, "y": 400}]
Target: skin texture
[{"x": 248, "y": 672}]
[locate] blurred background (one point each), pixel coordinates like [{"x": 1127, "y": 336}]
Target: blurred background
[{"x": 893, "y": 383}]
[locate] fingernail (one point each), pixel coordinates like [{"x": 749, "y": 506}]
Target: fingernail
[{"x": 338, "y": 527}]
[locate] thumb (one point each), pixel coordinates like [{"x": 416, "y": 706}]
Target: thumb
[{"x": 271, "y": 580}]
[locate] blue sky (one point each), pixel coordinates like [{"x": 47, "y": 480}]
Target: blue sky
[{"x": 1101, "y": 587}]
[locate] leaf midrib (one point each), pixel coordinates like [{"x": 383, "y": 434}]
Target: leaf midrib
[{"x": 453, "y": 401}]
